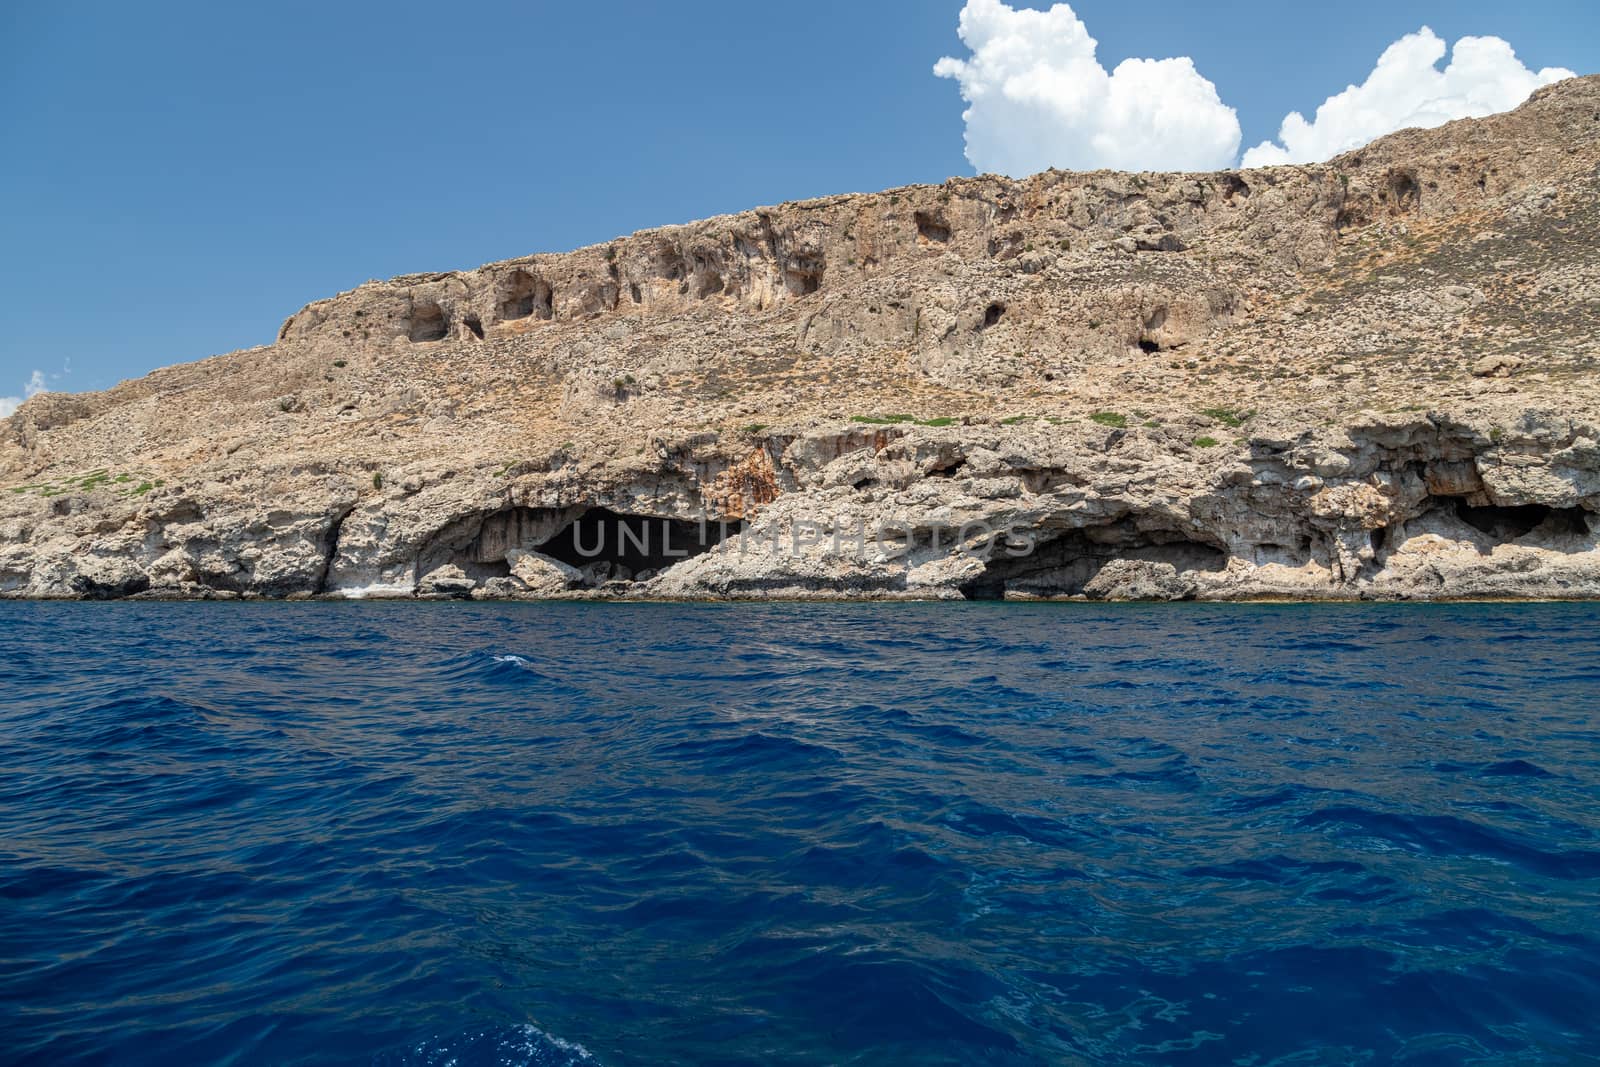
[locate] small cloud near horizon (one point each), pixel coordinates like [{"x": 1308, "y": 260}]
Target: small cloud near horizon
[
  {"x": 32, "y": 388},
  {"x": 1038, "y": 97}
]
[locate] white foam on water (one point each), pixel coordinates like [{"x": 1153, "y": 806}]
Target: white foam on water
[
  {"x": 517, "y": 1046},
  {"x": 374, "y": 591},
  {"x": 537, "y": 1040}
]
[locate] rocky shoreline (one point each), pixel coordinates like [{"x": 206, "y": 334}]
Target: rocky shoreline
[
  {"x": 1407, "y": 507},
  {"x": 1377, "y": 378}
]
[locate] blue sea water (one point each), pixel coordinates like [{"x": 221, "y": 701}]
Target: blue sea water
[{"x": 790, "y": 834}]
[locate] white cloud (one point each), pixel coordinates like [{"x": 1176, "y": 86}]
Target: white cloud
[
  {"x": 33, "y": 387},
  {"x": 1038, "y": 98},
  {"x": 1407, "y": 89}
]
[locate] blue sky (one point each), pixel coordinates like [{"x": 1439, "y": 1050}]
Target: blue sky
[{"x": 180, "y": 177}]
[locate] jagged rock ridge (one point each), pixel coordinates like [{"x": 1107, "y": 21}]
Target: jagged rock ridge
[{"x": 1370, "y": 378}]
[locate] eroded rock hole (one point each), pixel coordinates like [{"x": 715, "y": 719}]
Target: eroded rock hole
[
  {"x": 1350, "y": 218},
  {"x": 526, "y": 295},
  {"x": 1505, "y": 524},
  {"x": 803, "y": 280},
  {"x": 668, "y": 263},
  {"x": 92, "y": 589},
  {"x": 608, "y": 545},
  {"x": 1065, "y": 565},
  {"x": 1406, "y": 192},
  {"x": 992, "y": 314},
  {"x": 1154, "y": 322},
  {"x": 1233, "y": 185},
  {"x": 481, "y": 545},
  {"x": 474, "y": 326},
  {"x": 932, "y": 227},
  {"x": 1284, "y": 555},
  {"x": 428, "y": 322}
]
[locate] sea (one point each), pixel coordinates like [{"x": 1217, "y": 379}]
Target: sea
[{"x": 666, "y": 834}]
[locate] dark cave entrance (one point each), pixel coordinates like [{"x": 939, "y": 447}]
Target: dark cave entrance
[
  {"x": 1063, "y": 565},
  {"x": 628, "y": 546},
  {"x": 1566, "y": 529},
  {"x": 931, "y": 227},
  {"x": 1506, "y": 524},
  {"x": 428, "y": 323},
  {"x": 803, "y": 279},
  {"x": 526, "y": 295},
  {"x": 1405, "y": 190}
]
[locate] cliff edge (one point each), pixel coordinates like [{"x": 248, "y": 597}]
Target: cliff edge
[{"x": 1372, "y": 378}]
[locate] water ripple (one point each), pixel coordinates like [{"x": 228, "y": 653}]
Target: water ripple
[{"x": 782, "y": 834}]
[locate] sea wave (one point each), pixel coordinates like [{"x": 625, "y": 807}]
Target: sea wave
[
  {"x": 512, "y": 1046},
  {"x": 309, "y": 834}
]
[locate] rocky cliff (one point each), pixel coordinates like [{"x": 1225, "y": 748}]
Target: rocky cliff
[{"x": 1370, "y": 378}]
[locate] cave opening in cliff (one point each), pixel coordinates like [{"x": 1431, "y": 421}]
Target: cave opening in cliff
[
  {"x": 526, "y": 295},
  {"x": 1407, "y": 193},
  {"x": 992, "y": 314},
  {"x": 1506, "y": 524},
  {"x": 710, "y": 284},
  {"x": 668, "y": 263},
  {"x": 481, "y": 544},
  {"x": 803, "y": 279},
  {"x": 610, "y": 545},
  {"x": 1149, "y": 347},
  {"x": 428, "y": 322},
  {"x": 1283, "y": 554},
  {"x": 931, "y": 227},
  {"x": 474, "y": 326},
  {"x": 1065, "y": 564}
]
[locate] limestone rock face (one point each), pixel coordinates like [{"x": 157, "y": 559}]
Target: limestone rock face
[
  {"x": 1372, "y": 378},
  {"x": 1496, "y": 366},
  {"x": 1131, "y": 579},
  {"x": 446, "y": 581},
  {"x": 541, "y": 576}
]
